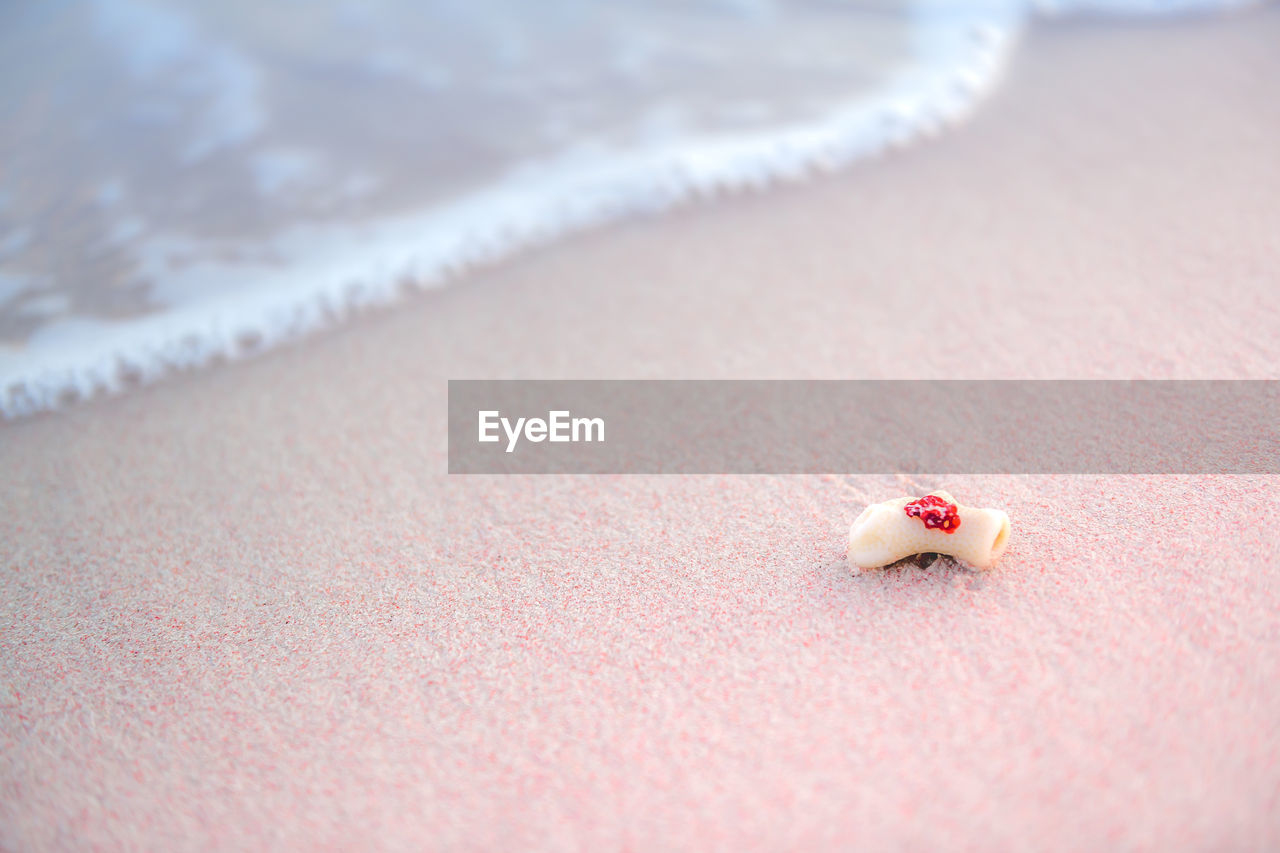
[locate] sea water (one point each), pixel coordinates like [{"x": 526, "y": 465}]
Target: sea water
[{"x": 188, "y": 180}]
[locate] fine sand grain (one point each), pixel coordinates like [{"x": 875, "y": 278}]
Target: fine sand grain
[{"x": 245, "y": 608}]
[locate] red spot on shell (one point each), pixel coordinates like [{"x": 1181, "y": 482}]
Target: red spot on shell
[{"x": 936, "y": 513}]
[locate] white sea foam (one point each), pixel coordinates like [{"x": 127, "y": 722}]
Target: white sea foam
[{"x": 240, "y": 201}]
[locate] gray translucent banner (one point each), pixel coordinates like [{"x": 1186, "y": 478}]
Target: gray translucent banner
[{"x": 864, "y": 426}]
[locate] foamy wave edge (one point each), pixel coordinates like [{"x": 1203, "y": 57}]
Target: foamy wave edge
[{"x": 428, "y": 251}]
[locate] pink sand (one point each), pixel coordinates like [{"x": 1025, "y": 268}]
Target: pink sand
[{"x": 246, "y": 609}]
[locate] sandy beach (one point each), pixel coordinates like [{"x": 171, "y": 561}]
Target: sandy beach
[{"x": 245, "y": 608}]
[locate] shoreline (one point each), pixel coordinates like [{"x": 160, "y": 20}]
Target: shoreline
[
  {"x": 950, "y": 70},
  {"x": 246, "y": 607}
]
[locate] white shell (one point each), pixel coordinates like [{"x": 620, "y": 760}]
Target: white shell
[{"x": 884, "y": 534}]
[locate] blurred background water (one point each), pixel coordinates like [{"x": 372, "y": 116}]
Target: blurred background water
[{"x": 182, "y": 180}]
